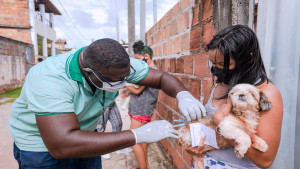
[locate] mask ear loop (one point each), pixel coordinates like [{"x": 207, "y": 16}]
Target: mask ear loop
[
  {"x": 87, "y": 69},
  {"x": 90, "y": 70},
  {"x": 94, "y": 83}
]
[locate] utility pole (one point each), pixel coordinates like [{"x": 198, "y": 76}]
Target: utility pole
[
  {"x": 154, "y": 11},
  {"x": 118, "y": 22},
  {"x": 131, "y": 26},
  {"x": 142, "y": 19}
]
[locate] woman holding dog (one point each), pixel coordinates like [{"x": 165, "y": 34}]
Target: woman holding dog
[{"x": 234, "y": 58}]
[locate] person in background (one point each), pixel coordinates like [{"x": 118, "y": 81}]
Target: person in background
[{"x": 142, "y": 103}]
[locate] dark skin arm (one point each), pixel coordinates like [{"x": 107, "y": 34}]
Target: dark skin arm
[
  {"x": 164, "y": 81},
  {"x": 64, "y": 139}
]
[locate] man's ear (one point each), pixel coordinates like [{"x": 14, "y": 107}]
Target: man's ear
[
  {"x": 264, "y": 103},
  {"x": 87, "y": 71}
]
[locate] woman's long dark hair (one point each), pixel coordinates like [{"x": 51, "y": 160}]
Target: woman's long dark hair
[{"x": 240, "y": 43}]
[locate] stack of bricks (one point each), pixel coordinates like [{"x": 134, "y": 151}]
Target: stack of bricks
[
  {"x": 178, "y": 41},
  {"x": 14, "y": 20}
]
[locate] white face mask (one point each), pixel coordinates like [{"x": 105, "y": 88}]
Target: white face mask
[{"x": 107, "y": 87}]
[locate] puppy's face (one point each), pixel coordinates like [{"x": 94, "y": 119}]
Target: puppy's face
[{"x": 245, "y": 97}]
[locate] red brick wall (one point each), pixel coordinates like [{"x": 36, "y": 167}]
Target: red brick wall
[
  {"x": 178, "y": 41},
  {"x": 14, "y": 13}
]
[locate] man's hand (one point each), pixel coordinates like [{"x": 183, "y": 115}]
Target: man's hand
[
  {"x": 190, "y": 107},
  {"x": 154, "y": 131}
]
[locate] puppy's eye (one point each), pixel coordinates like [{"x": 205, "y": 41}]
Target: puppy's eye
[{"x": 252, "y": 95}]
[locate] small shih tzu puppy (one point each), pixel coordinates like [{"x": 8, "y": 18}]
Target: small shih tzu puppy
[
  {"x": 124, "y": 98},
  {"x": 239, "y": 126}
]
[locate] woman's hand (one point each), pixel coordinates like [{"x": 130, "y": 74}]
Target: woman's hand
[
  {"x": 199, "y": 150},
  {"x": 223, "y": 111},
  {"x": 134, "y": 90}
]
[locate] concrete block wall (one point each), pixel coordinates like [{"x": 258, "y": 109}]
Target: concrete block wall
[
  {"x": 14, "y": 20},
  {"x": 12, "y": 63},
  {"x": 178, "y": 41}
]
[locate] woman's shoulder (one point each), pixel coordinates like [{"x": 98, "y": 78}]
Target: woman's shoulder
[
  {"x": 272, "y": 93},
  {"x": 269, "y": 89}
]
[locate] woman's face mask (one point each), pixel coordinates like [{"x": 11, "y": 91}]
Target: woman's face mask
[
  {"x": 145, "y": 60},
  {"x": 220, "y": 74},
  {"x": 141, "y": 57},
  {"x": 216, "y": 64}
]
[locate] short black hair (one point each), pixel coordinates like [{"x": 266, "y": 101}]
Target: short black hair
[
  {"x": 40, "y": 59},
  {"x": 106, "y": 53},
  {"x": 240, "y": 43}
]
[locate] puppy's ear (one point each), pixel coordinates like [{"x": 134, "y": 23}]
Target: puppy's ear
[{"x": 264, "y": 104}]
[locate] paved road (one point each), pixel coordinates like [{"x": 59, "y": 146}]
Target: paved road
[{"x": 7, "y": 160}]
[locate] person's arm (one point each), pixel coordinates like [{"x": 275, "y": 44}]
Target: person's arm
[
  {"x": 269, "y": 129},
  {"x": 164, "y": 81},
  {"x": 64, "y": 139},
  {"x": 189, "y": 106},
  {"x": 134, "y": 90},
  {"x": 31, "y": 63}
]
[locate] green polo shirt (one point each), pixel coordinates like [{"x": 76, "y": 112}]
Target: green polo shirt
[{"x": 57, "y": 86}]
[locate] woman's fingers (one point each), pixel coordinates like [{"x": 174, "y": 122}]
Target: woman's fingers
[
  {"x": 193, "y": 150},
  {"x": 201, "y": 144}
]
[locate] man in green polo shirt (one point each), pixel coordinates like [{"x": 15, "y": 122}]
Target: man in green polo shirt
[{"x": 53, "y": 120}]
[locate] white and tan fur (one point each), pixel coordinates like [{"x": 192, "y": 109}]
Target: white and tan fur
[
  {"x": 124, "y": 97},
  {"x": 239, "y": 126}
]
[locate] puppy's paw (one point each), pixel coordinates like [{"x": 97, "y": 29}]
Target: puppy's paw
[
  {"x": 260, "y": 144},
  {"x": 240, "y": 151},
  {"x": 238, "y": 154}
]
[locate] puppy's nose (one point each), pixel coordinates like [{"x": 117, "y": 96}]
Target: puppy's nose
[{"x": 241, "y": 96}]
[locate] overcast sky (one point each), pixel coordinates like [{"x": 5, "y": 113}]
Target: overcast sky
[{"x": 82, "y": 21}]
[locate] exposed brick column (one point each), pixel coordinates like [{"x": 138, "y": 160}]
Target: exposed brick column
[{"x": 178, "y": 41}]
